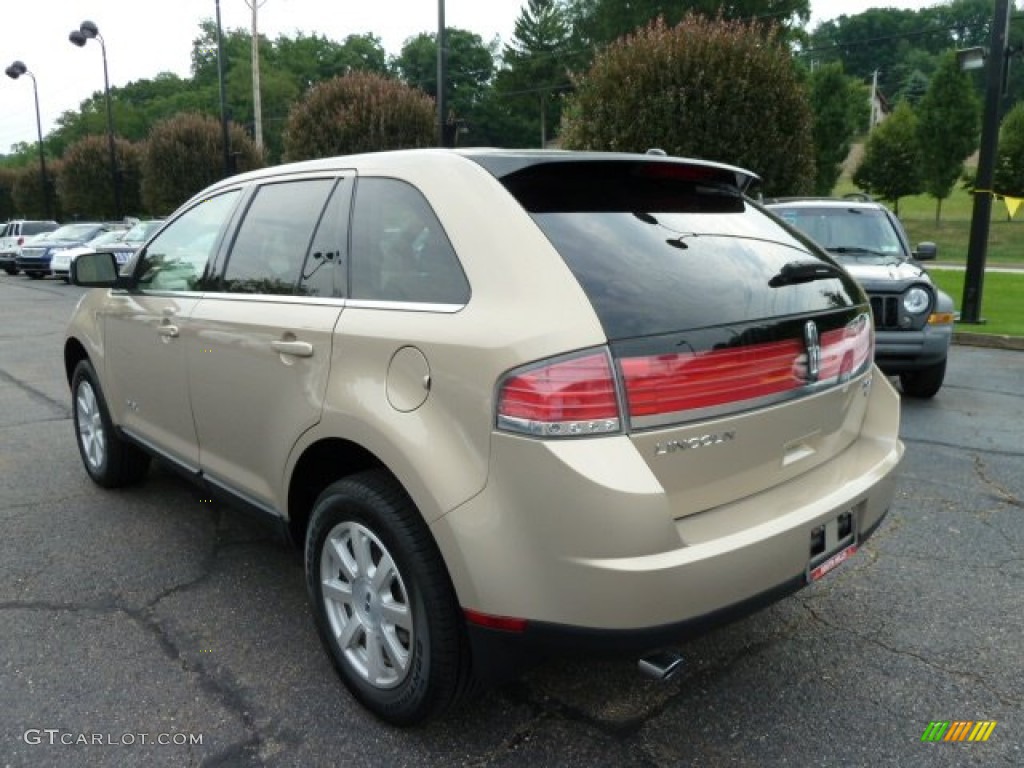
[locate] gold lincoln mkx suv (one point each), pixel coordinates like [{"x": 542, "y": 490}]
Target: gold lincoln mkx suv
[{"x": 512, "y": 403}]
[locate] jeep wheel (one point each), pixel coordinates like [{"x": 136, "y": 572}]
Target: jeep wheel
[
  {"x": 110, "y": 461},
  {"x": 925, "y": 382},
  {"x": 383, "y": 602}
]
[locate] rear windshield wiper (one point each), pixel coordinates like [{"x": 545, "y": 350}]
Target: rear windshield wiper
[{"x": 796, "y": 272}]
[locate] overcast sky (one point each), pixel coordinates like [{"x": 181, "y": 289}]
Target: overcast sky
[{"x": 145, "y": 37}]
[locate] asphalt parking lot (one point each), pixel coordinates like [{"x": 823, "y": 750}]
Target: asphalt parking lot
[{"x": 151, "y": 627}]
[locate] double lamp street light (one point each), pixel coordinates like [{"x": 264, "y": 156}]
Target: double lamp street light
[
  {"x": 16, "y": 70},
  {"x": 87, "y": 31}
]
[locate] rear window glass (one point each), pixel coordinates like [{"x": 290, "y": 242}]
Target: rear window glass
[
  {"x": 35, "y": 227},
  {"x": 660, "y": 248}
]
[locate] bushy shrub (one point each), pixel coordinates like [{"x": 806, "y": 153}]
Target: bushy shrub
[
  {"x": 721, "y": 90},
  {"x": 358, "y": 112},
  {"x": 185, "y": 154},
  {"x": 85, "y": 184}
]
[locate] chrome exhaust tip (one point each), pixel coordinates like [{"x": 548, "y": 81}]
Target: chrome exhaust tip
[{"x": 662, "y": 665}]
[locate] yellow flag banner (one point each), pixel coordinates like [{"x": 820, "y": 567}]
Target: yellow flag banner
[{"x": 1012, "y": 204}]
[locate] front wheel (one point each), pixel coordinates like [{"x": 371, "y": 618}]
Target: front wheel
[
  {"x": 383, "y": 602},
  {"x": 110, "y": 460},
  {"x": 924, "y": 383}
]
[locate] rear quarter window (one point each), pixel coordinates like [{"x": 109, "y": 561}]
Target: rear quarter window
[{"x": 400, "y": 252}]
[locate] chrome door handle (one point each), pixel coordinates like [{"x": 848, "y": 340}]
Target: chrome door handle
[
  {"x": 293, "y": 348},
  {"x": 170, "y": 331}
]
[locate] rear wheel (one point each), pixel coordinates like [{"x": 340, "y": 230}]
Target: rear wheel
[
  {"x": 11, "y": 269},
  {"x": 110, "y": 460},
  {"x": 924, "y": 383},
  {"x": 384, "y": 605},
  {"x": 35, "y": 275}
]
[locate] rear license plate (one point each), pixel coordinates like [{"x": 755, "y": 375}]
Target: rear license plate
[
  {"x": 832, "y": 563},
  {"x": 831, "y": 545}
]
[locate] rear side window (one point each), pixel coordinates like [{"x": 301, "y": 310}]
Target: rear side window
[
  {"x": 666, "y": 247},
  {"x": 400, "y": 253},
  {"x": 272, "y": 241}
]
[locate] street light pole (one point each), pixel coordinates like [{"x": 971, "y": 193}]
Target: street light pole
[
  {"x": 974, "y": 278},
  {"x": 85, "y": 32},
  {"x": 16, "y": 70},
  {"x": 225, "y": 141}
]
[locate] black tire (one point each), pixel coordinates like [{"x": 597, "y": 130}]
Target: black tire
[
  {"x": 35, "y": 275},
  {"x": 924, "y": 383},
  {"x": 110, "y": 460},
  {"x": 11, "y": 270},
  {"x": 424, "y": 666}
]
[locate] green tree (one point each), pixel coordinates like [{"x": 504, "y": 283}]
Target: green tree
[
  {"x": 599, "y": 22},
  {"x": 359, "y": 112},
  {"x": 184, "y": 154},
  {"x": 470, "y": 68},
  {"x": 535, "y": 73},
  {"x": 705, "y": 88},
  {"x": 891, "y": 167},
  {"x": 1009, "y": 172},
  {"x": 834, "y": 104},
  {"x": 947, "y": 129},
  {"x": 85, "y": 185}
]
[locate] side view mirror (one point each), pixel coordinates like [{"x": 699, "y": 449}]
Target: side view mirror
[
  {"x": 95, "y": 270},
  {"x": 926, "y": 252}
]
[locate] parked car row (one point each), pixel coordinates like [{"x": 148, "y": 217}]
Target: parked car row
[{"x": 41, "y": 248}]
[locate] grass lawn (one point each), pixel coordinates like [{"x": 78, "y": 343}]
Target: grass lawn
[{"x": 1002, "y": 300}]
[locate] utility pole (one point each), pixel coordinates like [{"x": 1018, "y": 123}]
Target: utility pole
[
  {"x": 442, "y": 74},
  {"x": 874, "y": 102},
  {"x": 257, "y": 106}
]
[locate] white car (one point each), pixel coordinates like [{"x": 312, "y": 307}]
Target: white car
[{"x": 60, "y": 262}]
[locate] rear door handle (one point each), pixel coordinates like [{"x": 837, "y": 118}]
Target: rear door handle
[{"x": 293, "y": 348}]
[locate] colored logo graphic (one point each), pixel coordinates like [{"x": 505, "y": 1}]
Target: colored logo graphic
[{"x": 958, "y": 730}]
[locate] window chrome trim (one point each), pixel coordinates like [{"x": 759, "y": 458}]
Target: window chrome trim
[{"x": 405, "y": 306}]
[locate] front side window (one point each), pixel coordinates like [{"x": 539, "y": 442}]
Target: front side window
[
  {"x": 274, "y": 237},
  {"x": 400, "y": 253},
  {"x": 176, "y": 260}
]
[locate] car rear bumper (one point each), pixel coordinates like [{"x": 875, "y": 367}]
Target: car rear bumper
[
  {"x": 33, "y": 265},
  {"x": 500, "y": 655},
  {"x": 606, "y": 563}
]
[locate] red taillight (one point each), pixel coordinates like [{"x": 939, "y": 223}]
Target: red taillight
[
  {"x": 688, "y": 380},
  {"x": 561, "y": 399},
  {"x": 20, "y": 241},
  {"x": 506, "y": 623},
  {"x": 845, "y": 351},
  {"x": 685, "y": 381}
]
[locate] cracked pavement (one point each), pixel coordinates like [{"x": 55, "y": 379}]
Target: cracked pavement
[{"x": 150, "y": 611}]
